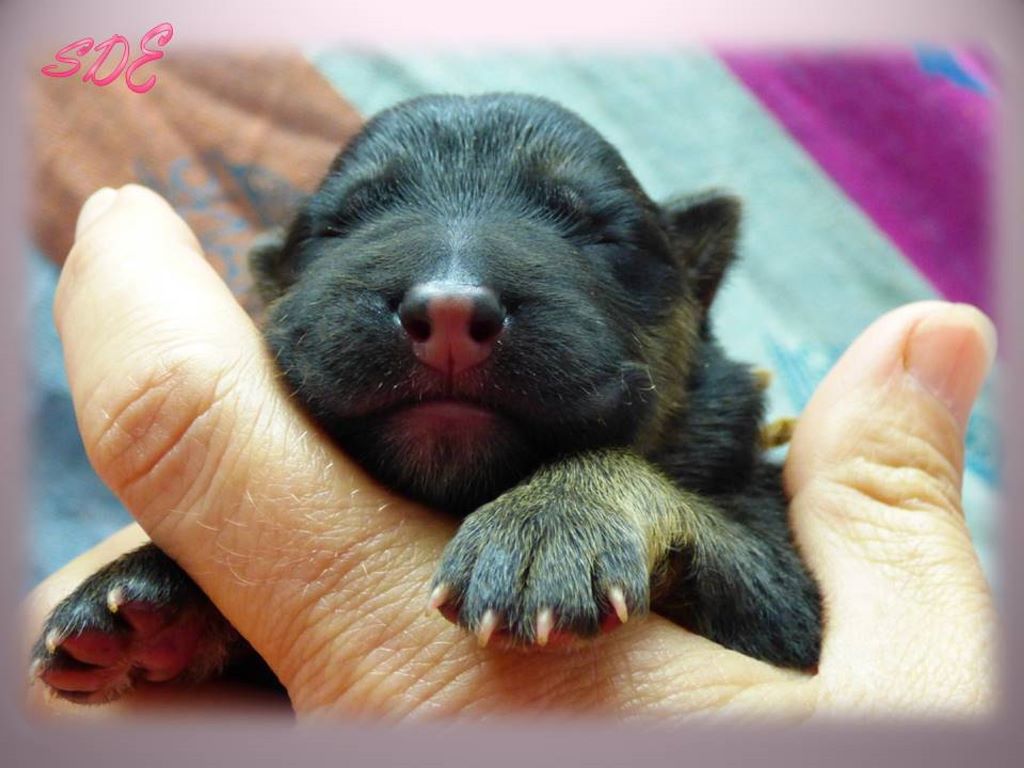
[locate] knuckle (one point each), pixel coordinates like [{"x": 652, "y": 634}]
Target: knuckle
[
  {"x": 896, "y": 501},
  {"x": 909, "y": 540},
  {"x": 153, "y": 420},
  {"x": 909, "y": 489},
  {"x": 899, "y": 468}
]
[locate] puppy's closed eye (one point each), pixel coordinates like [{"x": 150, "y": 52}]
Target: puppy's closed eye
[{"x": 357, "y": 202}]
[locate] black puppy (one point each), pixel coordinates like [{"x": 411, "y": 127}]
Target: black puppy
[{"x": 482, "y": 306}]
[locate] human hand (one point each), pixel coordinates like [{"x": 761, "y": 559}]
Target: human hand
[{"x": 326, "y": 573}]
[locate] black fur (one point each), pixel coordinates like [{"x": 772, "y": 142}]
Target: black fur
[
  {"x": 619, "y": 447},
  {"x": 608, "y": 347},
  {"x": 491, "y": 188}
]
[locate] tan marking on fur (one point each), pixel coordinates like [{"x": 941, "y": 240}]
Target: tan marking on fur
[
  {"x": 669, "y": 351},
  {"x": 630, "y": 487},
  {"x": 778, "y": 432},
  {"x": 763, "y": 378}
]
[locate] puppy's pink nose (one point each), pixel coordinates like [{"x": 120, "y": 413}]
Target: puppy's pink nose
[{"x": 452, "y": 327}]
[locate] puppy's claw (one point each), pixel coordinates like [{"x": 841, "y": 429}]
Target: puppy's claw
[
  {"x": 487, "y": 626},
  {"x": 115, "y": 599},
  {"x": 53, "y": 641},
  {"x": 545, "y": 623},
  {"x": 618, "y": 601},
  {"x": 438, "y": 597}
]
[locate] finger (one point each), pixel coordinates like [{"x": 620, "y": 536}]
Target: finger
[
  {"x": 94, "y": 206},
  {"x": 875, "y": 469},
  {"x": 182, "y": 417}
]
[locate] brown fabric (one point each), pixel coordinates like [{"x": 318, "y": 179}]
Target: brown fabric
[{"x": 232, "y": 140}]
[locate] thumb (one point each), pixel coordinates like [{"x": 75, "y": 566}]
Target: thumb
[{"x": 875, "y": 470}]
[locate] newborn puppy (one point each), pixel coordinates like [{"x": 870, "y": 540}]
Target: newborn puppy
[{"x": 484, "y": 309}]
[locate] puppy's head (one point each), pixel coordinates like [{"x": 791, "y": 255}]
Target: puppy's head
[{"x": 480, "y": 284}]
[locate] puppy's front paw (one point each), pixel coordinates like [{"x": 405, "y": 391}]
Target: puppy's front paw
[
  {"x": 531, "y": 569},
  {"x": 139, "y": 618}
]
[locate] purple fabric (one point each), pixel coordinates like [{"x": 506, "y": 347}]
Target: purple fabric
[{"x": 907, "y": 136}]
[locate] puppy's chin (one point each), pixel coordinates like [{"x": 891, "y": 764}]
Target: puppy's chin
[
  {"x": 449, "y": 454},
  {"x": 435, "y": 440}
]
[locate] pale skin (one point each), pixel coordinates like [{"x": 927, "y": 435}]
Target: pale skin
[{"x": 182, "y": 417}]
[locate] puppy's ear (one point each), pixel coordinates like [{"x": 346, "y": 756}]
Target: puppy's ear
[
  {"x": 703, "y": 229},
  {"x": 270, "y": 272}
]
